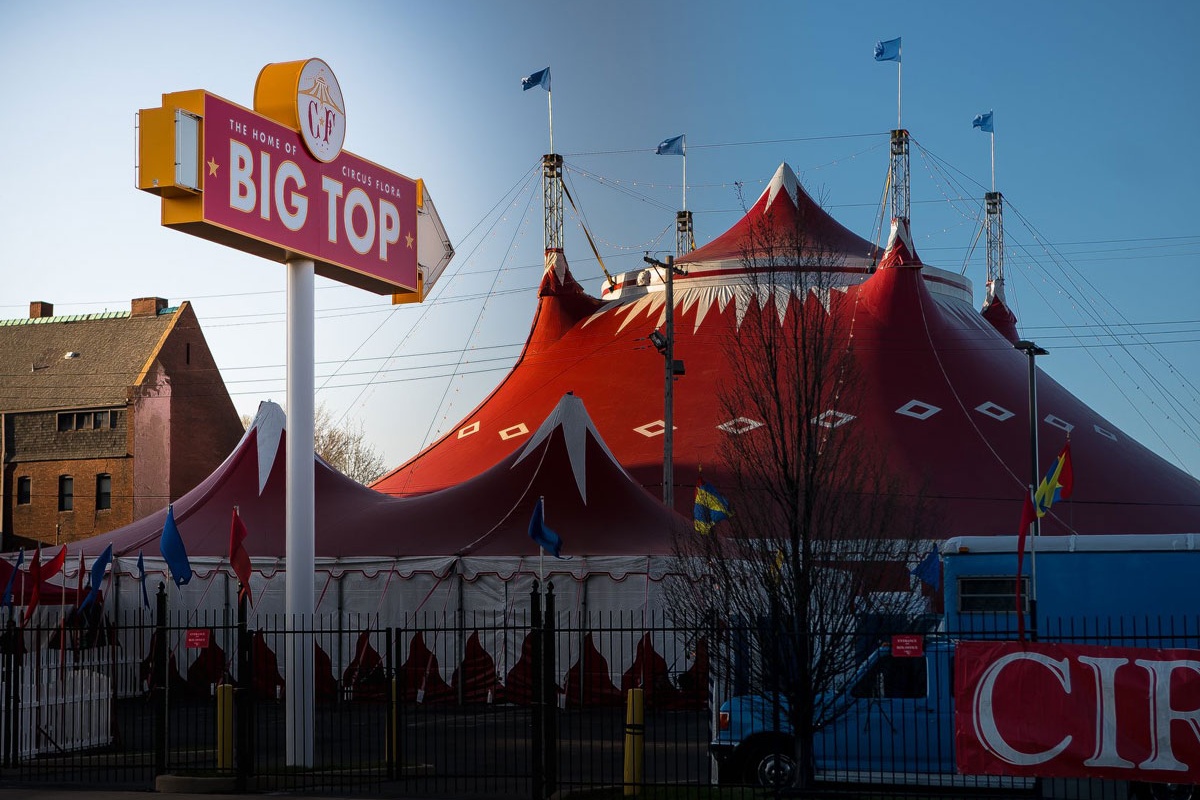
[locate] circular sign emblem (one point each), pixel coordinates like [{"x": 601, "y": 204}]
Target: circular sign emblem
[{"x": 321, "y": 110}]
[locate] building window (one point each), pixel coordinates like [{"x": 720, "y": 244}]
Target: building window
[
  {"x": 66, "y": 493},
  {"x": 24, "y": 490},
  {"x": 991, "y": 594},
  {"x": 88, "y": 420},
  {"x": 103, "y": 491}
]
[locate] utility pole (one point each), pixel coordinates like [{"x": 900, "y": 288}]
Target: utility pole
[
  {"x": 665, "y": 344},
  {"x": 1033, "y": 351}
]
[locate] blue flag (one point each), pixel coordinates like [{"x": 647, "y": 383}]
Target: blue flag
[
  {"x": 888, "y": 51},
  {"x": 540, "y": 78},
  {"x": 983, "y": 122},
  {"x": 99, "y": 567},
  {"x": 142, "y": 579},
  {"x": 929, "y": 571},
  {"x": 173, "y": 551},
  {"x": 671, "y": 147},
  {"x": 7, "y": 601},
  {"x": 546, "y": 539},
  {"x": 709, "y": 507}
]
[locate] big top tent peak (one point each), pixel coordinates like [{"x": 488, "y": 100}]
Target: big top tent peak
[{"x": 945, "y": 391}]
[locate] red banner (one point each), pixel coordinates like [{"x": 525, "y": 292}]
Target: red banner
[{"x": 1055, "y": 710}]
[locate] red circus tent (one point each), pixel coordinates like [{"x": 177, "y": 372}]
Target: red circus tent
[{"x": 947, "y": 392}]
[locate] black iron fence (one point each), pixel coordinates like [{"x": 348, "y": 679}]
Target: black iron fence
[{"x": 522, "y": 704}]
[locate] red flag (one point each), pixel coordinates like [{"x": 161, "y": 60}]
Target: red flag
[
  {"x": 54, "y": 565},
  {"x": 239, "y": 559},
  {"x": 1028, "y": 515},
  {"x": 1066, "y": 475},
  {"x": 79, "y": 581},
  {"x": 35, "y": 595}
]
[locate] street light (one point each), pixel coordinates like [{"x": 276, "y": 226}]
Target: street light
[
  {"x": 1033, "y": 351},
  {"x": 665, "y": 344}
]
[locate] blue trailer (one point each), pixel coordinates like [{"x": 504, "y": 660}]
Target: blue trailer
[{"x": 892, "y": 720}]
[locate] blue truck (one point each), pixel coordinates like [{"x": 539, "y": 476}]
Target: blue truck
[{"x": 891, "y": 720}]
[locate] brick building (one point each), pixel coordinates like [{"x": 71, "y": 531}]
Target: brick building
[{"x": 106, "y": 418}]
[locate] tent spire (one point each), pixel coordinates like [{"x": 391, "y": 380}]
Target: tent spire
[
  {"x": 552, "y": 201},
  {"x": 898, "y": 175}
]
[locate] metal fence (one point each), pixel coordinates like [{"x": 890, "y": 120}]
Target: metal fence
[{"x": 523, "y": 705}]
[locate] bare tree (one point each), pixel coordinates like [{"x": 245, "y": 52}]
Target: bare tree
[
  {"x": 343, "y": 446},
  {"x": 821, "y": 535}
]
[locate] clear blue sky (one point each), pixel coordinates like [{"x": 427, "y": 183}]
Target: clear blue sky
[{"x": 1095, "y": 117}]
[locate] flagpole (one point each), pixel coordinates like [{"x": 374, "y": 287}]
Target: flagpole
[
  {"x": 993, "y": 137},
  {"x": 899, "y": 93},
  {"x": 550, "y": 112},
  {"x": 541, "y": 549},
  {"x": 685, "y": 172}
]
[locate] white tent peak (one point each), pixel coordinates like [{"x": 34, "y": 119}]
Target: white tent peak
[
  {"x": 784, "y": 178},
  {"x": 900, "y": 251},
  {"x": 270, "y": 422},
  {"x": 572, "y": 417}
]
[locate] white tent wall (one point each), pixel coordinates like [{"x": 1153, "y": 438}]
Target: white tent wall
[{"x": 453, "y": 595}]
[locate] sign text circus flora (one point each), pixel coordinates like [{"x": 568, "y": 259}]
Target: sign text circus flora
[{"x": 276, "y": 183}]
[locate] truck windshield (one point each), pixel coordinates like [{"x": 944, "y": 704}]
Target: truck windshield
[{"x": 893, "y": 677}]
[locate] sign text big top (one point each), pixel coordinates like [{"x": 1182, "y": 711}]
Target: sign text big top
[{"x": 245, "y": 180}]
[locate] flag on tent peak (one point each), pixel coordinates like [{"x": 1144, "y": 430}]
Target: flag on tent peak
[
  {"x": 173, "y": 551},
  {"x": 888, "y": 50},
  {"x": 673, "y": 146},
  {"x": 239, "y": 559},
  {"x": 540, "y": 78},
  {"x": 709, "y": 507},
  {"x": 546, "y": 539},
  {"x": 983, "y": 122},
  {"x": 99, "y": 567},
  {"x": 54, "y": 565},
  {"x": 1058, "y": 483},
  {"x": 7, "y": 599},
  {"x": 35, "y": 594},
  {"x": 929, "y": 571},
  {"x": 142, "y": 580}
]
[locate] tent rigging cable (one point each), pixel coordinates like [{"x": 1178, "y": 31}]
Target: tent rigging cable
[
  {"x": 435, "y": 295},
  {"x": 441, "y": 406},
  {"x": 587, "y": 233}
]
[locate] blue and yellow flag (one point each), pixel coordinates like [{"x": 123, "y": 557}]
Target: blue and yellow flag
[
  {"x": 1057, "y": 484},
  {"x": 710, "y": 507}
]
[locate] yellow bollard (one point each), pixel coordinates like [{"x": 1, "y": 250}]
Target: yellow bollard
[
  {"x": 225, "y": 726},
  {"x": 635, "y": 742}
]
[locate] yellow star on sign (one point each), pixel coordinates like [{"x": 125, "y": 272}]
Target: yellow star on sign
[
  {"x": 408, "y": 239},
  {"x": 212, "y": 166}
]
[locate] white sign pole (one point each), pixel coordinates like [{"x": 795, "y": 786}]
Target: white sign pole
[{"x": 300, "y": 511}]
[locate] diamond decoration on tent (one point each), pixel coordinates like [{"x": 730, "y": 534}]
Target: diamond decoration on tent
[
  {"x": 513, "y": 431},
  {"x": 467, "y": 430},
  {"x": 918, "y": 410},
  {"x": 652, "y": 429},
  {"x": 1105, "y": 433},
  {"x": 1061, "y": 424},
  {"x": 994, "y": 411},
  {"x": 739, "y": 425},
  {"x": 832, "y": 419}
]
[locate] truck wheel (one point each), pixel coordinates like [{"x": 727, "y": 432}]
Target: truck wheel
[
  {"x": 772, "y": 764},
  {"x": 1164, "y": 791}
]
